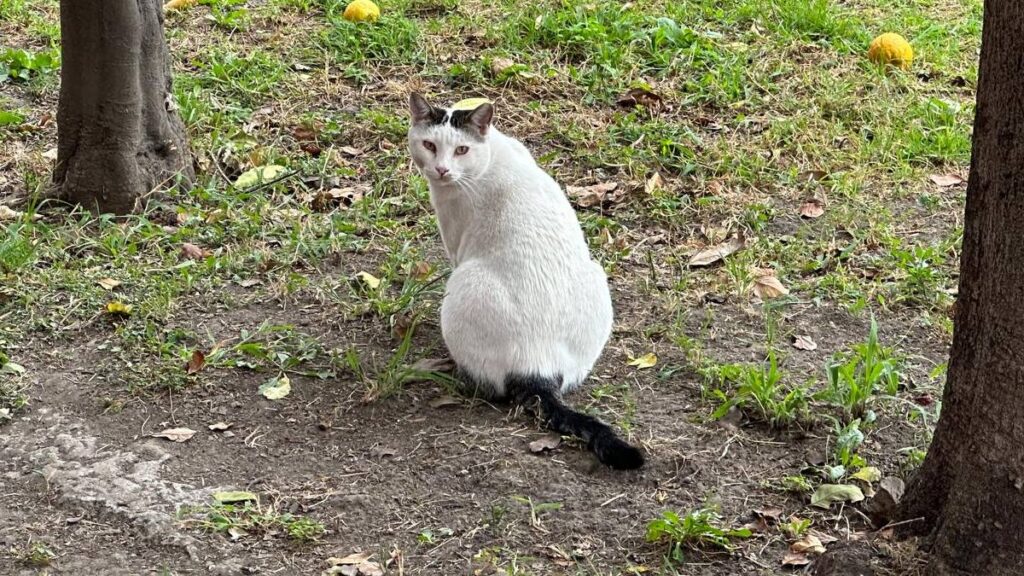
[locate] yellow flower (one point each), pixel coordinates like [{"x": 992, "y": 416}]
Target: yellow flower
[
  {"x": 362, "y": 11},
  {"x": 892, "y": 50}
]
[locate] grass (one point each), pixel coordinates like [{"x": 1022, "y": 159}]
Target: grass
[
  {"x": 855, "y": 379},
  {"x": 247, "y": 519},
  {"x": 759, "y": 391}
]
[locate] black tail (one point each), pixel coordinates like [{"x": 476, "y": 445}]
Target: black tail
[{"x": 542, "y": 397}]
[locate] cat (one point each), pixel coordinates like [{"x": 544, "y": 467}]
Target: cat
[{"x": 526, "y": 311}]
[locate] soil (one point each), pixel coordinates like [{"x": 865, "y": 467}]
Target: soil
[{"x": 93, "y": 484}]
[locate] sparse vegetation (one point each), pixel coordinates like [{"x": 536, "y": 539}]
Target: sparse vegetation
[{"x": 696, "y": 529}]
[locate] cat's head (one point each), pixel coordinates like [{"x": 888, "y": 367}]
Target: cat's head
[{"x": 449, "y": 145}]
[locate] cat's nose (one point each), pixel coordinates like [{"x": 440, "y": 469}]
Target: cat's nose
[{"x": 441, "y": 170}]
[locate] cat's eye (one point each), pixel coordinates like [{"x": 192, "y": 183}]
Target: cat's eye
[
  {"x": 461, "y": 150},
  {"x": 429, "y": 145}
]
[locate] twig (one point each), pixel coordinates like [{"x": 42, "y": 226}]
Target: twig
[{"x": 901, "y": 523}]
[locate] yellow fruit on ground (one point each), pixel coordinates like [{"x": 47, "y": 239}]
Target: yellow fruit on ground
[
  {"x": 361, "y": 11},
  {"x": 891, "y": 49},
  {"x": 470, "y": 103}
]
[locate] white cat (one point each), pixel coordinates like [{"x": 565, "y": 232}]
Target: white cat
[{"x": 526, "y": 311}]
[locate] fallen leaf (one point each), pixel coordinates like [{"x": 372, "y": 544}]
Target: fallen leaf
[
  {"x": 769, "y": 513},
  {"x": 178, "y": 5},
  {"x": 192, "y": 252},
  {"x": 883, "y": 505},
  {"x": 176, "y": 434},
  {"x": 220, "y": 426},
  {"x": 8, "y": 213},
  {"x": 823, "y": 537},
  {"x": 639, "y": 97},
  {"x": 370, "y": 569},
  {"x": 420, "y": 270},
  {"x": 237, "y": 533},
  {"x": 196, "y": 362},
  {"x": 826, "y": 494},
  {"x": 108, "y": 283},
  {"x": 382, "y": 452},
  {"x": 499, "y": 65},
  {"x": 804, "y": 343},
  {"x": 812, "y": 208},
  {"x": 357, "y": 558},
  {"x": 259, "y": 175},
  {"x": 812, "y": 175},
  {"x": 546, "y": 442},
  {"x": 767, "y": 286},
  {"x": 646, "y": 361},
  {"x": 276, "y": 388},
  {"x": 655, "y": 182},
  {"x": 351, "y": 151},
  {"x": 809, "y": 544},
  {"x": 231, "y": 497},
  {"x": 50, "y": 154},
  {"x": 445, "y": 401},
  {"x": 249, "y": 282},
  {"x": 325, "y": 200},
  {"x": 371, "y": 281},
  {"x": 946, "y": 180},
  {"x": 868, "y": 474},
  {"x": 795, "y": 559},
  {"x": 588, "y": 196},
  {"x": 118, "y": 308},
  {"x": 715, "y": 253}
]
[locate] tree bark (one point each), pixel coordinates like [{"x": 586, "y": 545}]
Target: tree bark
[
  {"x": 118, "y": 134},
  {"x": 970, "y": 488}
]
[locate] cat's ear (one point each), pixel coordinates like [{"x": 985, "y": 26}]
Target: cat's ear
[
  {"x": 481, "y": 117},
  {"x": 420, "y": 109}
]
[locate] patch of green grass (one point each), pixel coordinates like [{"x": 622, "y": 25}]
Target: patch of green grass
[
  {"x": 13, "y": 395},
  {"x": 697, "y": 529},
  {"x": 854, "y": 379},
  {"x": 761, "y": 394},
  {"x": 249, "y": 519}
]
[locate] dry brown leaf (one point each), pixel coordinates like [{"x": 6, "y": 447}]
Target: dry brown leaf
[
  {"x": 193, "y": 252},
  {"x": 639, "y": 97},
  {"x": 178, "y": 5},
  {"x": 804, "y": 343},
  {"x": 8, "y": 213},
  {"x": 588, "y": 196},
  {"x": 795, "y": 559},
  {"x": 324, "y": 200},
  {"x": 812, "y": 175},
  {"x": 220, "y": 426},
  {"x": 176, "y": 434},
  {"x": 108, "y": 283},
  {"x": 946, "y": 180},
  {"x": 351, "y": 151},
  {"x": 499, "y": 65},
  {"x": 715, "y": 253},
  {"x": 812, "y": 208},
  {"x": 546, "y": 442},
  {"x": 767, "y": 286},
  {"x": 356, "y": 558},
  {"x": 196, "y": 362},
  {"x": 809, "y": 544},
  {"x": 443, "y": 401},
  {"x": 655, "y": 182},
  {"x": 420, "y": 270},
  {"x": 769, "y": 513}
]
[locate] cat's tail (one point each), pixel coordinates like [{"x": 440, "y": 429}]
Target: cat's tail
[{"x": 542, "y": 396}]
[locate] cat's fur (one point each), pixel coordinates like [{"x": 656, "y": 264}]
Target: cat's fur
[{"x": 526, "y": 311}]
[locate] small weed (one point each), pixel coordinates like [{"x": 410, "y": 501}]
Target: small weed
[
  {"x": 228, "y": 14},
  {"x": 38, "y": 555},
  {"x": 854, "y": 379},
  {"x": 796, "y": 484},
  {"x": 23, "y": 65},
  {"x": 695, "y": 530},
  {"x": 845, "y": 458},
  {"x": 537, "y": 509},
  {"x": 12, "y": 390},
  {"x": 239, "y": 520},
  {"x": 796, "y": 527},
  {"x": 760, "y": 392}
]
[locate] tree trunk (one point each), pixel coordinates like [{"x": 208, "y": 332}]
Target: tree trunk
[
  {"x": 118, "y": 134},
  {"x": 970, "y": 489}
]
